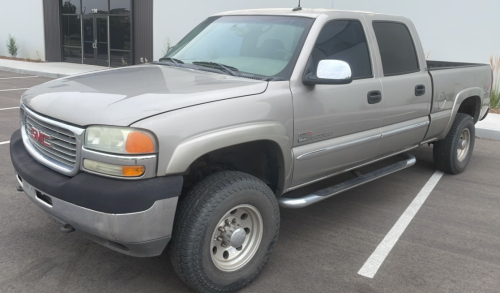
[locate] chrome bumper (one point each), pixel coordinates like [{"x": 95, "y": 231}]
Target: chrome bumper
[{"x": 141, "y": 234}]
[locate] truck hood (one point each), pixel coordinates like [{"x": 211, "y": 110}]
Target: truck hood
[{"x": 122, "y": 96}]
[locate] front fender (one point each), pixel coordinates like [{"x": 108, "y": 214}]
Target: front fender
[{"x": 191, "y": 149}]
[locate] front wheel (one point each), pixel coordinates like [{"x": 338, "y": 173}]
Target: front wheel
[
  {"x": 453, "y": 153},
  {"x": 224, "y": 232}
]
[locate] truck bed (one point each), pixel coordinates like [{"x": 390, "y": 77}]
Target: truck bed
[{"x": 439, "y": 65}]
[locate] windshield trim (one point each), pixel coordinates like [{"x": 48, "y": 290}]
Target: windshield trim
[{"x": 286, "y": 73}]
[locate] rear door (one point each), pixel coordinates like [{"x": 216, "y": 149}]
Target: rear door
[
  {"x": 406, "y": 84},
  {"x": 336, "y": 126}
]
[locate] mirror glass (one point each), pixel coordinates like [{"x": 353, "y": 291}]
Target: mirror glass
[{"x": 333, "y": 69}]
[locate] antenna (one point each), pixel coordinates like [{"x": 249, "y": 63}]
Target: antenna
[{"x": 298, "y": 7}]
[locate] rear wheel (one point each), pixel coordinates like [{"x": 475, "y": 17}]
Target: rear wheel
[
  {"x": 224, "y": 232},
  {"x": 453, "y": 153}
]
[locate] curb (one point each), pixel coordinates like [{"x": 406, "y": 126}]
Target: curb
[
  {"x": 32, "y": 72},
  {"x": 488, "y": 133}
]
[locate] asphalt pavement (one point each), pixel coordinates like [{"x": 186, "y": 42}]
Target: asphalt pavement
[{"x": 451, "y": 245}]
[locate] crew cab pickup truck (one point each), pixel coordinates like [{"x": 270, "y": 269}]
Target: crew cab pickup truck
[{"x": 201, "y": 149}]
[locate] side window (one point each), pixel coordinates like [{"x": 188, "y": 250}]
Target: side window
[
  {"x": 344, "y": 40},
  {"x": 396, "y": 46}
]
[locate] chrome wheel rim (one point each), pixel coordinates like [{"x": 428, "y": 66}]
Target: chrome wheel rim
[
  {"x": 236, "y": 238},
  {"x": 463, "y": 145}
]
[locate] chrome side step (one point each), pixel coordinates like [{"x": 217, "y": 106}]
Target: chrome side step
[{"x": 300, "y": 202}]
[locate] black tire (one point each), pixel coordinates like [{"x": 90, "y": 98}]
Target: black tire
[
  {"x": 445, "y": 151},
  {"x": 198, "y": 214}
]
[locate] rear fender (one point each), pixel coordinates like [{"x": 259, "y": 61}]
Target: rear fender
[{"x": 460, "y": 97}]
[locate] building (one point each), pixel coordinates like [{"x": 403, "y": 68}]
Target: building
[{"x": 126, "y": 32}]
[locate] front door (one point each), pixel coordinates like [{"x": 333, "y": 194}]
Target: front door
[
  {"x": 95, "y": 40},
  {"x": 337, "y": 126}
]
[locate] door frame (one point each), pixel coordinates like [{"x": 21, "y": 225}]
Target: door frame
[{"x": 96, "y": 61}]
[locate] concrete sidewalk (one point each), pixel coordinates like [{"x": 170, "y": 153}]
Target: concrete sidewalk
[
  {"x": 47, "y": 69},
  {"x": 489, "y": 128}
]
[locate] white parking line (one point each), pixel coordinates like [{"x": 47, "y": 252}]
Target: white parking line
[
  {"x": 375, "y": 260},
  {"x": 18, "y": 77},
  {"x": 4, "y": 142},
  {"x": 14, "y": 89},
  {"x": 9, "y": 108}
]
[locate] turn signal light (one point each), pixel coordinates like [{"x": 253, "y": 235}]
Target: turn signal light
[
  {"x": 139, "y": 143},
  {"x": 114, "y": 170},
  {"x": 133, "y": 171}
]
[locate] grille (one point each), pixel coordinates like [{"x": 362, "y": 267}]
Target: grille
[{"x": 62, "y": 141}]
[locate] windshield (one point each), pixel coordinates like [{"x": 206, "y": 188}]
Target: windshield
[{"x": 251, "y": 46}]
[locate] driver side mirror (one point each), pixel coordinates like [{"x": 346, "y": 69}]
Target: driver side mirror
[{"x": 329, "y": 72}]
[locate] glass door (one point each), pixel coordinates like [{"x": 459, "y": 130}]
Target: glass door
[{"x": 95, "y": 40}]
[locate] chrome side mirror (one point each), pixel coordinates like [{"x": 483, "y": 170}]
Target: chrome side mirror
[{"x": 330, "y": 72}]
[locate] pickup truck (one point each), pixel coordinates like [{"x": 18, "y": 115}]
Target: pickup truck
[{"x": 201, "y": 149}]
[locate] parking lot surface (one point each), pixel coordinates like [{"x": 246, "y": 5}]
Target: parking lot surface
[{"x": 452, "y": 243}]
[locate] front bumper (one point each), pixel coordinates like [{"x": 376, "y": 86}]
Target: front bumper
[{"x": 95, "y": 207}]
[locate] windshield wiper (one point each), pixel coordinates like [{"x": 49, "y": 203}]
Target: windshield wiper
[
  {"x": 176, "y": 62},
  {"x": 229, "y": 69}
]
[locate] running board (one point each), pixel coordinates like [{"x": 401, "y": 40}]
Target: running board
[{"x": 300, "y": 202}]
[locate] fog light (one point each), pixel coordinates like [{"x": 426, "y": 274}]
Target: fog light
[{"x": 114, "y": 170}]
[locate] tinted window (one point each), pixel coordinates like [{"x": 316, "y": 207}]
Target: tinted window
[
  {"x": 119, "y": 6},
  {"x": 119, "y": 27},
  {"x": 344, "y": 40},
  {"x": 94, "y": 6},
  {"x": 396, "y": 48},
  {"x": 70, "y": 6},
  {"x": 71, "y": 30}
]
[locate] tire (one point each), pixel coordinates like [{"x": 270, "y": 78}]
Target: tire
[
  {"x": 199, "y": 214},
  {"x": 449, "y": 155}
]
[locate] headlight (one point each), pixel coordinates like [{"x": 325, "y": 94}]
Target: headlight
[{"x": 119, "y": 140}]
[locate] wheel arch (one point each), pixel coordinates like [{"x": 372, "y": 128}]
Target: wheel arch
[
  {"x": 467, "y": 101},
  {"x": 264, "y": 142}
]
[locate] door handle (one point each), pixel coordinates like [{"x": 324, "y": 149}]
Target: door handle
[
  {"x": 419, "y": 90},
  {"x": 374, "y": 97},
  {"x": 94, "y": 44}
]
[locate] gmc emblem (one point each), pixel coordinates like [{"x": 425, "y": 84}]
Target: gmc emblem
[{"x": 39, "y": 136}]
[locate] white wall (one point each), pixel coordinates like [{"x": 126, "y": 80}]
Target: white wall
[
  {"x": 174, "y": 19},
  {"x": 452, "y": 30},
  {"x": 23, "y": 19}
]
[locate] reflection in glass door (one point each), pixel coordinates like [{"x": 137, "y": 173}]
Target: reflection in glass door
[{"x": 95, "y": 40}]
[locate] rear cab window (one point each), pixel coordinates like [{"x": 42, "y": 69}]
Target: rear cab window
[{"x": 396, "y": 47}]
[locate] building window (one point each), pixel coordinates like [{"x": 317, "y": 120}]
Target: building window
[
  {"x": 119, "y": 6},
  {"x": 94, "y": 19},
  {"x": 121, "y": 45},
  {"x": 72, "y": 38},
  {"x": 95, "y": 6},
  {"x": 71, "y": 7}
]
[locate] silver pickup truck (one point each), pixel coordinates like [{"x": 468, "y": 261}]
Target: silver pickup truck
[{"x": 200, "y": 149}]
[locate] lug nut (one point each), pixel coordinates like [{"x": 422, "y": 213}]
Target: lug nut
[
  {"x": 223, "y": 244},
  {"x": 235, "y": 221},
  {"x": 227, "y": 221},
  {"x": 219, "y": 238},
  {"x": 221, "y": 229}
]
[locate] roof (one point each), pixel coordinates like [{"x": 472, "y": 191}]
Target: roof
[{"x": 305, "y": 12}]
